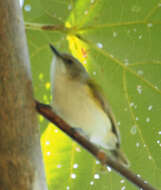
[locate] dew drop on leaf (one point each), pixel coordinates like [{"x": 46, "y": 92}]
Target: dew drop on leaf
[
  {"x": 140, "y": 37},
  {"x": 75, "y": 166},
  {"x": 147, "y": 119},
  {"x": 91, "y": 182},
  {"x": 47, "y": 142},
  {"x": 149, "y": 157},
  {"x": 137, "y": 118},
  {"x": 99, "y": 45},
  {"x": 96, "y": 176},
  {"x": 69, "y": 7},
  {"x": 158, "y": 141},
  {"x": 114, "y": 34},
  {"x": 27, "y": 8},
  {"x": 73, "y": 176},
  {"x": 59, "y": 166},
  {"x": 149, "y": 25},
  {"x": 140, "y": 72},
  {"x": 123, "y": 188},
  {"x": 150, "y": 107},
  {"x": 109, "y": 169},
  {"x": 97, "y": 162},
  {"x": 122, "y": 181},
  {"x": 48, "y": 153},
  {"x": 137, "y": 144}
]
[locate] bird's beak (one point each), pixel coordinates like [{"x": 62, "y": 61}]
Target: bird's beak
[{"x": 55, "y": 50}]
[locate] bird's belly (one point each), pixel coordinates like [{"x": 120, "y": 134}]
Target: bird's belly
[{"x": 79, "y": 110}]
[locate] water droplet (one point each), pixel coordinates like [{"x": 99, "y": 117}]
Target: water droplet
[
  {"x": 85, "y": 61},
  {"x": 96, "y": 176},
  {"x": 86, "y": 12},
  {"x": 139, "y": 89},
  {"x": 137, "y": 144},
  {"x": 133, "y": 130},
  {"x": 75, "y": 166},
  {"x": 67, "y": 187},
  {"x": 138, "y": 175},
  {"x": 137, "y": 118},
  {"x": 149, "y": 157},
  {"x": 140, "y": 37},
  {"x": 73, "y": 176},
  {"x": 159, "y": 132},
  {"x": 122, "y": 181},
  {"x": 147, "y": 119},
  {"x": 126, "y": 62},
  {"x": 131, "y": 104},
  {"x": 118, "y": 123},
  {"x": 149, "y": 25},
  {"x": 47, "y": 142},
  {"x": 48, "y": 153},
  {"x": 27, "y": 8},
  {"x": 69, "y": 7},
  {"x": 91, "y": 182},
  {"x": 78, "y": 149},
  {"x": 140, "y": 72},
  {"x": 158, "y": 141},
  {"x": 123, "y": 188},
  {"x": 55, "y": 130},
  {"x": 109, "y": 169},
  {"x": 114, "y": 34},
  {"x": 99, "y": 45},
  {"x": 59, "y": 166},
  {"x": 97, "y": 162},
  {"x": 150, "y": 107}
]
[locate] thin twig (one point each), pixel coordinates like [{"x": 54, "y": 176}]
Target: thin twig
[{"x": 47, "y": 112}]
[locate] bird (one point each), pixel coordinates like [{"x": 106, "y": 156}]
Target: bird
[{"x": 79, "y": 101}]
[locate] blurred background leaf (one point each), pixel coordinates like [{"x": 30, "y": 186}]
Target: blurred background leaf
[{"x": 119, "y": 42}]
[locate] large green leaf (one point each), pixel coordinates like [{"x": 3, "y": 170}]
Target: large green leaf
[{"x": 119, "y": 42}]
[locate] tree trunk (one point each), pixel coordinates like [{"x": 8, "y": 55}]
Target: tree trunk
[{"x": 21, "y": 166}]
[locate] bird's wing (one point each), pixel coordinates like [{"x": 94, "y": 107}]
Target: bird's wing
[{"x": 101, "y": 100}]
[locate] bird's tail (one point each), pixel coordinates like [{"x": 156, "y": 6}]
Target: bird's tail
[{"x": 120, "y": 157}]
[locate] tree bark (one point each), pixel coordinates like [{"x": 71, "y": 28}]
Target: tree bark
[{"x": 21, "y": 165}]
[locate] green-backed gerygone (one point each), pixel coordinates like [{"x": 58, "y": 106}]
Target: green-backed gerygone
[{"x": 81, "y": 103}]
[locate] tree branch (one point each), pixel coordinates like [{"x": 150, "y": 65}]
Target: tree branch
[{"x": 47, "y": 112}]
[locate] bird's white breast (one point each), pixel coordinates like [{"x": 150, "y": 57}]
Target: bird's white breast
[{"x": 73, "y": 103}]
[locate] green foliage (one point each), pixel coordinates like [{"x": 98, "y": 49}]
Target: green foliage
[{"x": 121, "y": 43}]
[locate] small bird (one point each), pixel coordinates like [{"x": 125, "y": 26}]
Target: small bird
[{"x": 81, "y": 103}]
